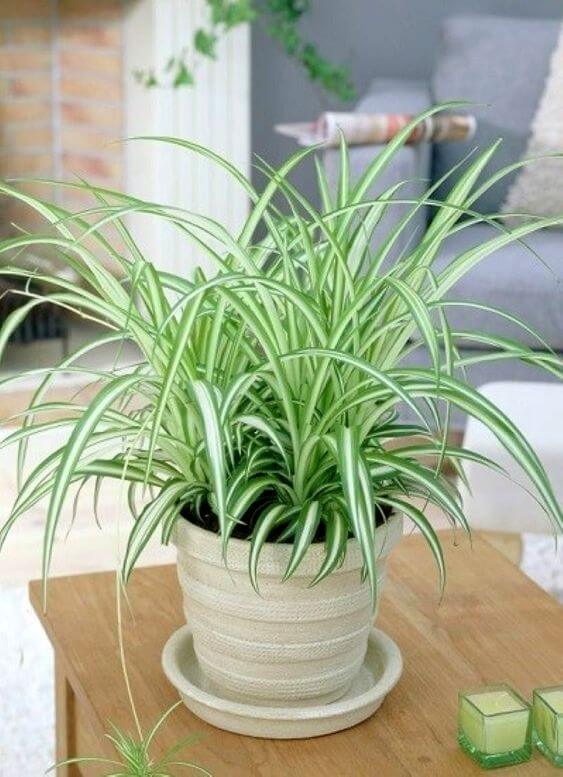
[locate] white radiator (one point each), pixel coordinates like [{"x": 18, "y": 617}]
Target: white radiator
[{"x": 215, "y": 112}]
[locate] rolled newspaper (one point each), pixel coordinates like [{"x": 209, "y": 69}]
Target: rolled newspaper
[{"x": 361, "y": 129}]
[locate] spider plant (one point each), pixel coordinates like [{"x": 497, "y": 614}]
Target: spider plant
[
  {"x": 135, "y": 754},
  {"x": 266, "y": 395}
]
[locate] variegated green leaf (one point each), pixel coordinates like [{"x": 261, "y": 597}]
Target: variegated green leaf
[
  {"x": 335, "y": 544},
  {"x": 271, "y": 518},
  {"x": 208, "y": 406},
  {"x": 361, "y": 516},
  {"x": 160, "y": 510},
  {"x": 306, "y": 529},
  {"x": 71, "y": 457},
  {"x": 420, "y": 520}
]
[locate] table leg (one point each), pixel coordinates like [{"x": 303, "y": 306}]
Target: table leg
[{"x": 65, "y": 722}]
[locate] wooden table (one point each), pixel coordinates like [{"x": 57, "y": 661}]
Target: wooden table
[{"x": 494, "y": 625}]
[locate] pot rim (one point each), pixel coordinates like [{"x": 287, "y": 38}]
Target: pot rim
[{"x": 205, "y": 545}]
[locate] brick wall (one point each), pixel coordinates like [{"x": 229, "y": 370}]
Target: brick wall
[{"x": 61, "y": 96}]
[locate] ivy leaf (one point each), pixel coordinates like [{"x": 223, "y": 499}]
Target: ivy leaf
[
  {"x": 289, "y": 10},
  {"x": 283, "y": 18},
  {"x": 217, "y": 11},
  {"x": 283, "y": 27},
  {"x": 230, "y": 14},
  {"x": 333, "y": 78},
  {"x": 205, "y": 43},
  {"x": 145, "y": 77},
  {"x": 287, "y": 36},
  {"x": 150, "y": 80},
  {"x": 183, "y": 76},
  {"x": 241, "y": 12}
]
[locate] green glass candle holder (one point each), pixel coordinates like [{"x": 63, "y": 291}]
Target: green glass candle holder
[
  {"x": 495, "y": 726},
  {"x": 548, "y": 723}
]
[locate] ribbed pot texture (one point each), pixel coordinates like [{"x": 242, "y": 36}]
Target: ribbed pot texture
[{"x": 291, "y": 644}]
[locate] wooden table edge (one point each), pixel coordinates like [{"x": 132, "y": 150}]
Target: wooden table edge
[{"x": 67, "y": 683}]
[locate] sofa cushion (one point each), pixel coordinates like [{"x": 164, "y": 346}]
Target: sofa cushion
[
  {"x": 513, "y": 279},
  {"x": 502, "y": 64}
]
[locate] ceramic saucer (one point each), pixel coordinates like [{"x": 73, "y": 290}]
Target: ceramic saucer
[{"x": 380, "y": 672}]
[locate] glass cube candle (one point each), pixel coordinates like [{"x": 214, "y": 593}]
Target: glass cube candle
[
  {"x": 548, "y": 722},
  {"x": 495, "y": 726}
]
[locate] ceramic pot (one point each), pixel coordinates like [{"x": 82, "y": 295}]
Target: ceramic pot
[{"x": 291, "y": 644}]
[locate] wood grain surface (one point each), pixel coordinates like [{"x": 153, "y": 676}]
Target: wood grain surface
[{"x": 493, "y": 625}]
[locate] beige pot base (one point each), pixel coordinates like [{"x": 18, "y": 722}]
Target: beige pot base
[{"x": 379, "y": 673}]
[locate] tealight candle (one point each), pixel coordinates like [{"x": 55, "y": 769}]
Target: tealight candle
[
  {"x": 494, "y": 726},
  {"x": 548, "y": 722}
]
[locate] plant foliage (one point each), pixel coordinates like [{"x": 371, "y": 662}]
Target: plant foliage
[
  {"x": 282, "y": 19},
  {"x": 134, "y": 753},
  {"x": 267, "y": 395}
]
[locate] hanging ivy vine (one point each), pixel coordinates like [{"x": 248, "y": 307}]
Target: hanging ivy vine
[{"x": 281, "y": 20}]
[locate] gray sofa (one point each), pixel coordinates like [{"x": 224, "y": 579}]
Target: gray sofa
[{"x": 501, "y": 64}]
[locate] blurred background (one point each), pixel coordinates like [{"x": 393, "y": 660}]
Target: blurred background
[{"x": 387, "y": 39}]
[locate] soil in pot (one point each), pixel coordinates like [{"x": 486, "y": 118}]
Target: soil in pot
[{"x": 207, "y": 519}]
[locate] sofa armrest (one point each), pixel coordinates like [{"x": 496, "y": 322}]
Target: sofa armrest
[{"x": 410, "y": 163}]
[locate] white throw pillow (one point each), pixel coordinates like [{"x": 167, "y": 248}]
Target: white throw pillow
[{"x": 538, "y": 187}]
